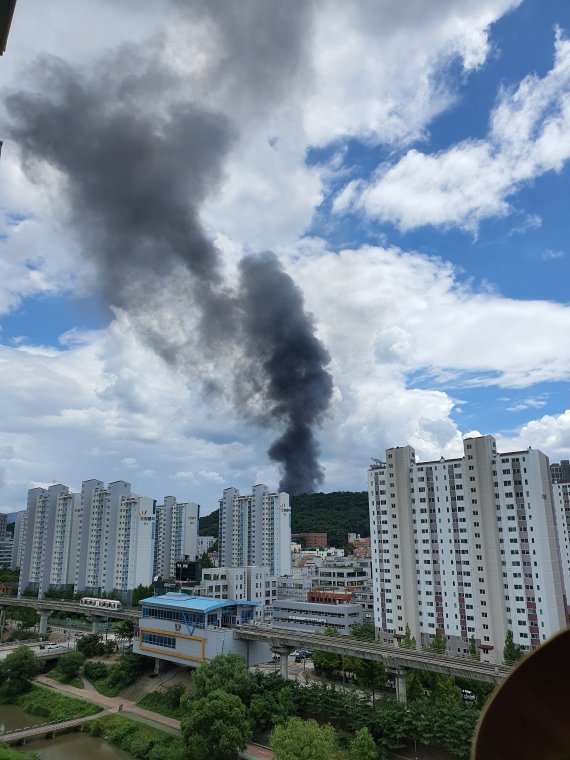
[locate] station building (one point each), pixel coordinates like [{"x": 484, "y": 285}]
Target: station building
[{"x": 189, "y": 630}]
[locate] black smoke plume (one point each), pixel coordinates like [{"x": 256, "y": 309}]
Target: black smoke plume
[{"x": 137, "y": 164}]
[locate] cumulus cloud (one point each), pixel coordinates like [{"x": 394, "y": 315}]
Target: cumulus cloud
[{"x": 529, "y": 135}]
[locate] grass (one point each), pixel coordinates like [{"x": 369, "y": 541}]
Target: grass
[
  {"x": 158, "y": 701},
  {"x": 102, "y": 686},
  {"x": 54, "y": 705},
  {"x": 55, "y": 675},
  {"x": 7, "y": 753}
]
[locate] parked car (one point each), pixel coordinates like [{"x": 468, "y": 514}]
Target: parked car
[
  {"x": 467, "y": 695},
  {"x": 303, "y": 654}
]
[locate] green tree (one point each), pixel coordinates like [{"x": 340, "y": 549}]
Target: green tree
[
  {"x": 474, "y": 653},
  {"x": 408, "y": 641},
  {"x": 268, "y": 709},
  {"x": 125, "y": 629},
  {"x": 363, "y": 631},
  {"x": 90, "y": 645},
  {"x": 303, "y": 740},
  {"x": 511, "y": 653},
  {"x": 205, "y": 561},
  {"x": 95, "y": 670},
  {"x": 25, "y": 617},
  {"x": 19, "y": 669},
  {"x": 438, "y": 644},
  {"x": 69, "y": 664},
  {"x": 127, "y": 669},
  {"x": 327, "y": 661},
  {"x": 363, "y": 746},
  {"x": 225, "y": 671},
  {"x": 216, "y": 727},
  {"x": 141, "y": 592},
  {"x": 370, "y": 674}
]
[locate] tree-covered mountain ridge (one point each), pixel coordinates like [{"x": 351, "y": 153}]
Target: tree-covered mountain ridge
[{"x": 337, "y": 513}]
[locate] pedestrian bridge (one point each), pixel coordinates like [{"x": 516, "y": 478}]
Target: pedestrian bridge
[{"x": 46, "y": 730}]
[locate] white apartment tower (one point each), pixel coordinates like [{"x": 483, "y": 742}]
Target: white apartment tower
[
  {"x": 561, "y": 496},
  {"x": 466, "y": 546},
  {"x": 37, "y": 543},
  {"x": 255, "y": 530},
  {"x": 176, "y": 535},
  {"x": 95, "y": 541}
]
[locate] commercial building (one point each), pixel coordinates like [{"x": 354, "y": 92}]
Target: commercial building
[
  {"x": 255, "y": 529},
  {"x": 314, "y": 617},
  {"x": 467, "y": 547},
  {"x": 251, "y": 583},
  {"x": 176, "y": 535},
  {"x": 313, "y": 540},
  {"x": 189, "y": 630},
  {"x": 98, "y": 540}
]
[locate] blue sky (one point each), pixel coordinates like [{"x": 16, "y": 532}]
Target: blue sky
[{"x": 413, "y": 177}]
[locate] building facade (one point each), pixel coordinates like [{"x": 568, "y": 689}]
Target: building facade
[
  {"x": 560, "y": 471},
  {"x": 176, "y": 535},
  {"x": 467, "y": 547},
  {"x": 98, "y": 540},
  {"x": 190, "y": 630},
  {"x": 313, "y": 540},
  {"x": 314, "y": 617},
  {"x": 561, "y": 497},
  {"x": 255, "y": 529}
]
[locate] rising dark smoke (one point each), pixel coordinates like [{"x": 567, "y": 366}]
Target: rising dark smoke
[
  {"x": 298, "y": 389},
  {"x": 137, "y": 166}
]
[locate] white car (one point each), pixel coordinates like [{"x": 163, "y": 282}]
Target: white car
[{"x": 467, "y": 695}]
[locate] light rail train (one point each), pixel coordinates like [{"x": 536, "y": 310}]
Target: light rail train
[{"x": 102, "y": 604}]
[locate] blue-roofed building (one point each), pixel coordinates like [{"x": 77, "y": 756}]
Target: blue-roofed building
[{"x": 189, "y": 630}]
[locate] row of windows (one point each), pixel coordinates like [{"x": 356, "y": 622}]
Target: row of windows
[{"x": 159, "y": 640}]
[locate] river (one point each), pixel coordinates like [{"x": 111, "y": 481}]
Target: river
[{"x": 63, "y": 747}]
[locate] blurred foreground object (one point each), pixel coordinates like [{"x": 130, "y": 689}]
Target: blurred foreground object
[
  {"x": 529, "y": 715},
  {"x": 6, "y": 13}
]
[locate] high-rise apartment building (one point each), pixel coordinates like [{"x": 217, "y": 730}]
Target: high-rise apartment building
[
  {"x": 255, "y": 529},
  {"x": 99, "y": 540},
  {"x": 561, "y": 497},
  {"x": 560, "y": 471},
  {"x": 19, "y": 539},
  {"x": 176, "y": 535},
  {"x": 3, "y": 523},
  {"x": 466, "y": 546}
]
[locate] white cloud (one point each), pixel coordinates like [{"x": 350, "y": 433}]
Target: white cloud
[
  {"x": 529, "y": 135},
  {"x": 550, "y": 434}
]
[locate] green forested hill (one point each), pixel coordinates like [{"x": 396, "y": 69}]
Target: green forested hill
[{"x": 337, "y": 513}]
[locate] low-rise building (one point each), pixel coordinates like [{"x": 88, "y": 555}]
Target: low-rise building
[
  {"x": 189, "y": 630},
  {"x": 312, "y": 539},
  {"x": 314, "y": 617}
]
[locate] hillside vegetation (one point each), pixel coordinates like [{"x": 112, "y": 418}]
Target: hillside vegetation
[{"x": 336, "y": 513}]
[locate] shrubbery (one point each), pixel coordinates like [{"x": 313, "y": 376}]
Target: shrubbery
[
  {"x": 54, "y": 705},
  {"x": 95, "y": 670},
  {"x": 165, "y": 702},
  {"x": 141, "y": 741}
]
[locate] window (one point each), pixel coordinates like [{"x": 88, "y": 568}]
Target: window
[{"x": 159, "y": 640}]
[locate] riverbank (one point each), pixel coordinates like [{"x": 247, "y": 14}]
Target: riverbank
[{"x": 132, "y": 710}]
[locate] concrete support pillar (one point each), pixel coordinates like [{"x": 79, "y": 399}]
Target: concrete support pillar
[
  {"x": 94, "y": 625},
  {"x": 44, "y": 614},
  {"x": 2, "y": 617},
  {"x": 159, "y": 665},
  {"x": 401, "y": 686},
  {"x": 283, "y": 652}
]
